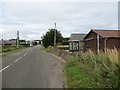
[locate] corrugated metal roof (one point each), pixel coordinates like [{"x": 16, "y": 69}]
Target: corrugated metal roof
[
  {"x": 76, "y": 37},
  {"x": 107, "y": 33}
]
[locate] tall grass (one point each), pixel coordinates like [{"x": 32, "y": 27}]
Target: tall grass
[
  {"x": 45, "y": 49},
  {"x": 8, "y": 48},
  {"x": 113, "y": 55},
  {"x": 90, "y": 70}
]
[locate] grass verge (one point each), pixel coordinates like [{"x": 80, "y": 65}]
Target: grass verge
[
  {"x": 10, "y": 49},
  {"x": 89, "y": 70},
  {"x": 45, "y": 49}
]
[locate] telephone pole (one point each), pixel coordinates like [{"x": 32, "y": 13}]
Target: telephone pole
[
  {"x": 17, "y": 39},
  {"x": 55, "y": 36},
  {"x": 98, "y": 46}
]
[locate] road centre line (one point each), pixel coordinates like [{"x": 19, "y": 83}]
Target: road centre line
[
  {"x": 18, "y": 59},
  {"x": 25, "y": 54},
  {"x": 10, "y": 64},
  {"x": 4, "y": 68},
  {"x": 13, "y": 62}
]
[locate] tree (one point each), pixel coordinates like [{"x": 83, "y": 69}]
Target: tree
[
  {"x": 48, "y": 38},
  {"x": 65, "y": 41}
]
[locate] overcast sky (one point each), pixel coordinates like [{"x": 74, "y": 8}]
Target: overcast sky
[{"x": 33, "y": 18}]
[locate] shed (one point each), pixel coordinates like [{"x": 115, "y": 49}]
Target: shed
[
  {"x": 75, "y": 43},
  {"x": 8, "y": 42},
  {"x": 101, "y": 40}
]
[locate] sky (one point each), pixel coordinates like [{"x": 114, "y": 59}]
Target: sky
[{"x": 33, "y": 18}]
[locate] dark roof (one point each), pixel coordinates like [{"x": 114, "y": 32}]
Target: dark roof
[
  {"x": 105, "y": 33},
  {"x": 8, "y": 42},
  {"x": 76, "y": 37}
]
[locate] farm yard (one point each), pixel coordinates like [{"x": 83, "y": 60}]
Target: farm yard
[
  {"x": 91, "y": 59},
  {"x": 95, "y": 63}
]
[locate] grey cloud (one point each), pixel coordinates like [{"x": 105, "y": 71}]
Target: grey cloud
[{"x": 33, "y": 19}]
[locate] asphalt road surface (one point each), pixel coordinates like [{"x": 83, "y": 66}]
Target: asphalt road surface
[{"x": 32, "y": 68}]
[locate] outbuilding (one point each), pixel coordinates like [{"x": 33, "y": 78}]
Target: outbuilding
[
  {"x": 75, "y": 42},
  {"x": 101, "y": 40}
]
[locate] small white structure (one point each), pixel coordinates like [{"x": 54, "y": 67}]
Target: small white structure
[{"x": 75, "y": 42}]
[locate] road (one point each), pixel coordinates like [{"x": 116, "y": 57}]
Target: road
[{"x": 32, "y": 68}]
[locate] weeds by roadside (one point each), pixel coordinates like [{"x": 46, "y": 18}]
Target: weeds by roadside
[
  {"x": 90, "y": 70},
  {"x": 7, "y": 49},
  {"x": 45, "y": 49}
]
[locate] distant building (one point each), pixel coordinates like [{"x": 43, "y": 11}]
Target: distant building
[
  {"x": 75, "y": 42},
  {"x": 37, "y": 42},
  {"x": 100, "y": 40},
  {"x": 22, "y": 42},
  {"x": 14, "y": 42},
  {"x": 8, "y": 42}
]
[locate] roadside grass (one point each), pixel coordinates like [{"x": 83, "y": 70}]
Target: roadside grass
[
  {"x": 61, "y": 47},
  {"x": 45, "y": 49},
  {"x": 8, "y": 49},
  {"x": 7, "y": 53},
  {"x": 90, "y": 70},
  {"x": 113, "y": 55}
]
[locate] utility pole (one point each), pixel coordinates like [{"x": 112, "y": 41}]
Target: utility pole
[
  {"x": 17, "y": 39},
  {"x": 55, "y": 36}
]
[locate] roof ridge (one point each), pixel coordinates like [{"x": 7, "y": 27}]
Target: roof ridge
[
  {"x": 78, "y": 33},
  {"x": 104, "y": 30}
]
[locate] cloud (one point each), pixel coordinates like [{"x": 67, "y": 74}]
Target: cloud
[
  {"x": 60, "y": 0},
  {"x": 34, "y": 19},
  {"x": 1, "y": 30}
]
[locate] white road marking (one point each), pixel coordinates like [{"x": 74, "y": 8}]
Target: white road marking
[
  {"x": 12, "y": 63},
  {"x": 4, "y": 68},
  {"x": 18, "y": 59},
  {"x": 25, "y": 54}
]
